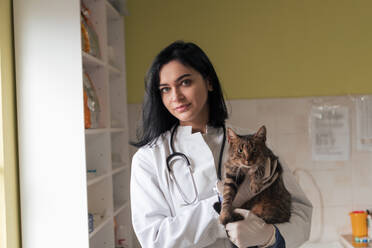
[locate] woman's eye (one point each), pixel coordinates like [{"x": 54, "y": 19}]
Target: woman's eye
[
  {"x": 164, "y": 90},
  {"x": 186, "y": 82}
]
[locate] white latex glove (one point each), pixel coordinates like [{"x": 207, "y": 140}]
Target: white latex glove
[{"x": 251, "y": 231}]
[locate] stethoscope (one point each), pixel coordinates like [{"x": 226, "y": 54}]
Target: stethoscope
[{"x": 174, "y": 154}]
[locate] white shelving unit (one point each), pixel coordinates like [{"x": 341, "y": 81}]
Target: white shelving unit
[
  {"x": 107, "y": 146},
  {"x": 57, "y": 156}
]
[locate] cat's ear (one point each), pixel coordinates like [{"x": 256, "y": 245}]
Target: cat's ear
[
  {"x": 231, "y": 135},
  {"x": 261, "y": 134}
]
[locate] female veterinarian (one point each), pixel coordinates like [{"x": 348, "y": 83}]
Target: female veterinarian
[{"x": 180, "y": 158}]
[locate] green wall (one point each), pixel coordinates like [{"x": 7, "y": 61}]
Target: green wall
[
  {"x": 9, "y": 191},
  {"x": 260, "y": 48}
]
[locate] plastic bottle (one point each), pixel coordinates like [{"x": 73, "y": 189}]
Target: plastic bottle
[
  {"x": 369, "y": 223},
  {"x": 122, "y": 237}
]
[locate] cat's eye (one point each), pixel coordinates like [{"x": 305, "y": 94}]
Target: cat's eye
[{"x": 240, "y": 150}]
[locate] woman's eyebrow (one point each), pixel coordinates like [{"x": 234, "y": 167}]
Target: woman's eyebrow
[
  {"x": 177, "y": 80},
  {"x": 183, "y": 76}
]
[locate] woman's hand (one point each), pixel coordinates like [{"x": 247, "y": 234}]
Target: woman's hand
[{"x": 251, "y": 231}]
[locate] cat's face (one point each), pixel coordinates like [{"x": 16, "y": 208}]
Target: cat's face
[{"x": 248, "y": 150}]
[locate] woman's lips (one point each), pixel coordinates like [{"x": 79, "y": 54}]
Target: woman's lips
[{"x": 182, "y": 108}]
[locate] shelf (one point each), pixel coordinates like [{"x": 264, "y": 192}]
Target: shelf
[
  {"x": 91, "y": 60},
  {"x": 98, "y": 154},
  {"x": 114, "y": 70},
  {"x": 347, "y": 240},
  {"x": 96, "y": 179},
  {"x": 106, "y": 146},
  {"x": 117, "y": 130},
  {"x": 57, "y": 42},
  {"x": 117, "y": 103},
  {"x": 100, "y": 226},
  {"x": 115, "y": 36},
  {"x": 118, "y": 167},
  {"x": 119, "y": 147},
  {"x": 112, "y": 9},
  {"x": 120, "y": 181},
  {"x": 95, "y": 131},
  {"x": 119, "y": 209},
  {"x": 118, "y": 6}
]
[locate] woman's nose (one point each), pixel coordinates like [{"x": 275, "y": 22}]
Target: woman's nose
[{"x": 177, "y": 94}]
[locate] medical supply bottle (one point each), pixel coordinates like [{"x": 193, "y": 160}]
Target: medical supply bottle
[
  {"x": 369, "y": 224},
  {"x": 121, "y": 237}
]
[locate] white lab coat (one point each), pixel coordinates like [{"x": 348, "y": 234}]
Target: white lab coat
[{"x": 159, "y": 217}]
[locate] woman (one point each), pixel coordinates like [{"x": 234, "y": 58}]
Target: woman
[{"x": 172, "y": 205}]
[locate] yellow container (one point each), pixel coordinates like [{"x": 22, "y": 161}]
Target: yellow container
[{"x": 359, "y": 223}]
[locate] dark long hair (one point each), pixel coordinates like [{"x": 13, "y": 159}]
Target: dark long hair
[{"x": 156, "y": 119}]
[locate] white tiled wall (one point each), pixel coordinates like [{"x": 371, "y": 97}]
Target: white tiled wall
[{"x": 334, "y": 188}]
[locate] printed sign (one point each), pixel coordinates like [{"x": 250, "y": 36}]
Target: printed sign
[{"x": 330, "y": 133}]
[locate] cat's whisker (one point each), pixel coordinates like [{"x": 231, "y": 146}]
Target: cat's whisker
[{"x": 244, "y": 166}]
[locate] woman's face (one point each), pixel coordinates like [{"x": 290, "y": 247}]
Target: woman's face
[{"x": 184, "y": 93}]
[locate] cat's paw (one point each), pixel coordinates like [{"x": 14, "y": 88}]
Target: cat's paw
[{"x": 225, "y": 217}]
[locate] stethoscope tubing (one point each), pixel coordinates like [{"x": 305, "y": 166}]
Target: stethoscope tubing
[{"x": 175, "y": 154}]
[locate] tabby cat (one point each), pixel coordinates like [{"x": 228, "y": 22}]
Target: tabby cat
[{"x": 252, "y": 162}]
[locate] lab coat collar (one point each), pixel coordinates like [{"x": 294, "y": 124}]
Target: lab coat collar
[{"x": 186, "y": 131}]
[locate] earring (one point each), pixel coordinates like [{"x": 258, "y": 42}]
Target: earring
[{"x": 210, "y": 87}]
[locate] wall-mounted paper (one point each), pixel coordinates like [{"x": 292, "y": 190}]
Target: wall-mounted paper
[
  {"x": 330, "y": 133},
  {"x": 364, "y": 123}
]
